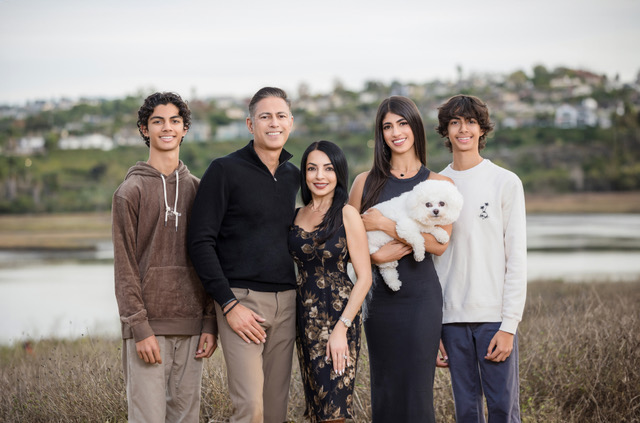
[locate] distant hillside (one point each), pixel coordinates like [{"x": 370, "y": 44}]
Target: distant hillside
[
  {"x": 560, "y": 130},
  {"x": 548, "y": 160}
]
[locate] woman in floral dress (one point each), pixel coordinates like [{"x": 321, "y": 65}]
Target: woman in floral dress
[{"x": 326, "y": 234}]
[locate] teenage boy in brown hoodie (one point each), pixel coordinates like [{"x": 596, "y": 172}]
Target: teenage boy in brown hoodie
[{"x": 168, "y": 321}]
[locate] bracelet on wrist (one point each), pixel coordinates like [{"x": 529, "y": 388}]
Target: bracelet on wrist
[
  {"x": 346, "y": 321},
  {"x": 224, "y": 314},
  {"x": 229, "y": 302}
]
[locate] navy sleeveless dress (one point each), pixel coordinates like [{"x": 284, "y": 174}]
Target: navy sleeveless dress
[
  {"x": 323, "y": 289},
  {"x": 403, "y": 332}
]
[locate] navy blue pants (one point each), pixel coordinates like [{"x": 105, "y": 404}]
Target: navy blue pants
[{"x": 472, "y": 375}]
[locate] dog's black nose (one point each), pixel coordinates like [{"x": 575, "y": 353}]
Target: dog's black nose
[{"x": 436, "y": 211}]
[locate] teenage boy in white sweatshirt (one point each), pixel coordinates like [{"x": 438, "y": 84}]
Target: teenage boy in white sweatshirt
[{"x": 484, "y": 271}]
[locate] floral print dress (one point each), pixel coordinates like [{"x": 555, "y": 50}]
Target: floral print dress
[{"x": 323, "y": 289}]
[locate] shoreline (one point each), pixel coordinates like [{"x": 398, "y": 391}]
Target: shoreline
[
  {"x": 583, "y": 203},
  {"x": 84, "y": 231}
]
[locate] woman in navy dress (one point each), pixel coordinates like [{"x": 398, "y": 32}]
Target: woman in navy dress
[
  {"x": 402, "y": 327},
  {"x": 326, "y": 234}
]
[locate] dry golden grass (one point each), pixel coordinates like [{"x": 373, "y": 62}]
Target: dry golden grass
[
  {"x": 54, "y": 231},
  {"x": 579, "y": 362}
]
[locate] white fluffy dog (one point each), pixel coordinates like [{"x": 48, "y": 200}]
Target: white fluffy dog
[{"x": 430, "y": 203}]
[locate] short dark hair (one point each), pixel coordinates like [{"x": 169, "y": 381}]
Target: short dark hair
[
  {"x": 333, "y": 217},
  {"x": 156, "y": 99},
  {"x": 466, "y": 106},
  {"x": 264, "y": 93}
]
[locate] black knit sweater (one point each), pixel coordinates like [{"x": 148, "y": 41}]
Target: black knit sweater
[{"x": 240, "y": 222}]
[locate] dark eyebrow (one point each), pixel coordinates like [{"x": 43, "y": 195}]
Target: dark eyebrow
[
  {"x": 269, "y": 113},
  {"x": 326, "y": 164},
  {"x": 399, "y": 120},
  {"x": 160, "y": 117}
]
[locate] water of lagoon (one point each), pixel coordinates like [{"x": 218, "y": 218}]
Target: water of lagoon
[{"x": 70, "y": 295}]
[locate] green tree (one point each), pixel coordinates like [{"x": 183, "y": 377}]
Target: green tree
[{"x": 541, "y": 77}]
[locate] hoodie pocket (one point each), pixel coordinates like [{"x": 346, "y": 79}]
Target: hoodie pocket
[{"x": 172, "y": 292}]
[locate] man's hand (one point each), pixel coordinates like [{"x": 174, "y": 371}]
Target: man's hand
[
  {"x": 149, "y": 350},
  {"x": 206, "y": 346},
  {"x": 246, "y": 324},
  {"x": 500, "y": 346}
]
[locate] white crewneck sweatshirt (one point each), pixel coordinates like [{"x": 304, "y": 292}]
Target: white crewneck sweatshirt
[{"x": 483, "y": 272}]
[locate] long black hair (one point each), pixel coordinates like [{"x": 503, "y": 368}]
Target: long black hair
[
  {"x": 333, "y": 217},
  {"x": 381, "y": 169}
]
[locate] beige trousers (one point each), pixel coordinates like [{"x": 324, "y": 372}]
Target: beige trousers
[
  {"x": 167, "y": 392},
  {"x": 259, "y": 374}
]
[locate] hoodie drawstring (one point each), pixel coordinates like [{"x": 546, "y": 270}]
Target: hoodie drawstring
[{"x": 167, "y": 209}]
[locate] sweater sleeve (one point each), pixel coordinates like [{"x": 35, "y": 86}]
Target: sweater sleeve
[
  {"x": 515, "y": 239},
  {"x": 128, "y": 284},
  {"x": 209, "y": 208},
  {"x": 209, "y": 323}
]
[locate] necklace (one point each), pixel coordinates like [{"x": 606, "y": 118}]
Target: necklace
[
  {"x": 316, "y": 210},
  {"x": 406, "y": 172}
]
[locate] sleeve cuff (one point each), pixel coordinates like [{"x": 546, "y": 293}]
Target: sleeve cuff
[
  {"x": 141, "y": 331},
  {"x": 509, "y": 325},
  {"x": 209, "y": 325}
]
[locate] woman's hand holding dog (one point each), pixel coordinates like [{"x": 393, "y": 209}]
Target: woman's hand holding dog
[
  {"x": 375, "y": 221},
  {"x": 391, "y": 251}
]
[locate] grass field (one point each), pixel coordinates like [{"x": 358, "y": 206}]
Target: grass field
[
  {"x": 54, "y": 231},
  {"x": 579, "y": 362},
  {"x": 587, "y": 202}
]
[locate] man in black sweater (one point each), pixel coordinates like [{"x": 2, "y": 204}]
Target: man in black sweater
[{"x": 238, "y": 245}]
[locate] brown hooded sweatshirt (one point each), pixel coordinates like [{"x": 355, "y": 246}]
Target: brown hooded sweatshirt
[{"x": 157, "y": 289}]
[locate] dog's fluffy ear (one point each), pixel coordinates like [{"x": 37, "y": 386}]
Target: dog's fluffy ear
[{"x": 412, "y": 200}]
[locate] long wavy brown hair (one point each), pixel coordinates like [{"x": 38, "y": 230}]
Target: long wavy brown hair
[{"x": 381, "y": 169}]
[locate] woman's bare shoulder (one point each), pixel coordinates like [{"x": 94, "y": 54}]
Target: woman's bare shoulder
[
  {"x": 361, "y": 178},
  {"x": 350, "y": 212}
]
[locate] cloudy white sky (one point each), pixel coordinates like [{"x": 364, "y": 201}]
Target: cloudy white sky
[{"x": 71, "y": 48}]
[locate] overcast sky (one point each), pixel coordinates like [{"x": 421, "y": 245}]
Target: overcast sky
[{"x": 111, "y": 48}]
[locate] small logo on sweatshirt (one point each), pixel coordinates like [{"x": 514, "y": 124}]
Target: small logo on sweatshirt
[{"x": 483, "y": 211}]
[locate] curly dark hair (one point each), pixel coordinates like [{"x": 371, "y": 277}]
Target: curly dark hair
[
  {"x": 156, "y": 99},
  {"x": 466, "y": 106}
]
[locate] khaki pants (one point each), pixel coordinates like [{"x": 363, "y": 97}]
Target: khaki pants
[
  {"x": 167, "y": 392},
  {"x": 259, "y": 375}
]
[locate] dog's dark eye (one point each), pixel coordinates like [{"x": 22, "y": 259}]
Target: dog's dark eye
[
  {"x": 429, "y": 205},
  {"x": 441, "y": 203}
]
